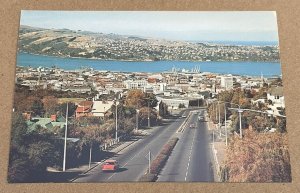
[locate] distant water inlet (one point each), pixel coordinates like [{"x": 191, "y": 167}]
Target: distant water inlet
[{"x": 266, "y": 69}]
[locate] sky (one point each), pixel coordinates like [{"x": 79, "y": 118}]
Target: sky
[{"x": 173, "y": 25}]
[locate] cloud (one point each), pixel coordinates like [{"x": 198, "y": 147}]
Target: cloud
[{"x": 260, "y": 25}]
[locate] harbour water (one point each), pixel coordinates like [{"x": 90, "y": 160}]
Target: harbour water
[{"x": 237, "y": 68}]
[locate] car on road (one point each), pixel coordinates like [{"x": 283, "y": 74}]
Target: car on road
[
  {"x": 192, "y": 125},
  {"x": 183, "y": 116},
  {"x": 200, "y": 118},
  {"x": 110, "y": 165}
]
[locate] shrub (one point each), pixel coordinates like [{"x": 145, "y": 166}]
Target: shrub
[
  {"x": 258, "y": 157},
  {"x": 148, "y": 178},
  {"x": 158, "y": 163},
  {"x": 166, "y": 150}
]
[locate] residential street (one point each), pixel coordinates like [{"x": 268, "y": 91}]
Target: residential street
[
  {"x": 133, "y": 160},
  {"x": 190, "y": 158}
]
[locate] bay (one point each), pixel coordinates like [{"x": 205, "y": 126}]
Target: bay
[{"x": 238, "y": 68}]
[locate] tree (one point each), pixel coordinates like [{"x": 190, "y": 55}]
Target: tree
[
  {"x": 181, "y": 105},
  {"x": 236, "y": 123},
  {"x": 151, "y": 99},
  {"x": 135, "y": 98},
  {"x": 258, "y": 158},
  {"x": 18, "y": 130},
  {"x": 50, "y": 104},
  {"x": 143, "y": 116},
  {"x": 248, "y": 94},
  {"x": 62, "y": 108},
  {"x": 261, "y": 94},
  {"x": 237, "y": 95},
  {"x": 37, "y": 107},
  {"x": 163, "y": 109},
  {"x": 226, "y": 96},
  {"x": 282, "y": 125},
  {"x": 23, "y": 102},
  {"x": 18, "y": 170},
  {"x": 30, "y": 152}
]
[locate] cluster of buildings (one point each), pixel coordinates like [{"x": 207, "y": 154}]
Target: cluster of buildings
[
  {"x": 174, "y": 88},
  {"x": 135, "y": 48},
  {"x": 70, "y": 43}
]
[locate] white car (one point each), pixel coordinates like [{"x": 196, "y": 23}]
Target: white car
[{"x": 201, "y": 118}]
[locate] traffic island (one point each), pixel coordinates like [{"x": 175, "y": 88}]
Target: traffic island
[{"x": 159, "y": 162}]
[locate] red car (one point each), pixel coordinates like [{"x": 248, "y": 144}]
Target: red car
[{"x": 110, "y": 165}]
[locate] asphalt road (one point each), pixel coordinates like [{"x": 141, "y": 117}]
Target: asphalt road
[
  {"x": 190, "y": 159},
  {"x": 133, "y": 160}
]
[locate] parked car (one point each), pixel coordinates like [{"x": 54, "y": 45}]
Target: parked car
[{"x": 110, "y": 165}]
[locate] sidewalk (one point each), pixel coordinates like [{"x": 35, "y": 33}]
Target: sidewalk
[
  {"x": 72, "y": 174},
  {"x": 218, "y": 149}
]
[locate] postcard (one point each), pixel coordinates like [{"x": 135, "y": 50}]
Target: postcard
[{"x": 148, "y": 96}]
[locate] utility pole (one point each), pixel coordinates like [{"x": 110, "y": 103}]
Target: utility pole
[
  {"x": 116, "y": 121},
  {"x": 91, "y": 145},
  {"x": 216, "y": 112},
  {"x": 65, "y": 144},
  {"x": 149, "y": 113},
  {"x": 240, "y": 116},
  {"x": 219, "y": 118},
  {"x": 149, "y": 160},
  {"x": 225, "y": 114},
  {"x": 148, "y": 157}
]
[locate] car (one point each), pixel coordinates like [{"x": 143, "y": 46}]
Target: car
[
  {"x": 192, "y": 126},
  {"x": 110, "y": 165},
  {"x": 201, "y": 118},
  {"x": 183, "y": 116}
]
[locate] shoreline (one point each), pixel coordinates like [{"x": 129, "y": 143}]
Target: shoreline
[{"x": 123, "y": 60}]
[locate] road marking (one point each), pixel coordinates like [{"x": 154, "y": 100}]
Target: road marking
[
  {"x": 138, "y": 153},
  {"x": 183, "y": 126},
  {"x": 190, "y": 155}
]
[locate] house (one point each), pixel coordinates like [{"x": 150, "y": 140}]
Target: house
[
  {"x": 83, "y": 109},
  {"x": 47, "y": 123},
  {"x": 100, "y": 107},
  {"x": 275, "y": 94}
]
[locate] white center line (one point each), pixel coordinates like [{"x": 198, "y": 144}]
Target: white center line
[
  {"x": 190, "y": 154},
  {"x": 136, "y": 155}
]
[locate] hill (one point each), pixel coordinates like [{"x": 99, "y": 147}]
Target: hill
[{"x": 71, "y": 43}]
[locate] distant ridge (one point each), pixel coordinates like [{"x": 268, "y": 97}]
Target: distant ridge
[{"x": 86, "y": 44}]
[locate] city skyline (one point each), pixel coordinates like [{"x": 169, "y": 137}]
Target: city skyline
[{"x": 173, "y": 25}]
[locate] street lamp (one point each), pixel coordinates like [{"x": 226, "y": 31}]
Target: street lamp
[
  {"x": 65, "y": 142},
  {"x": 219, "y": 119},
  {"x": 148, "y": 113},
  {"x": 116, "y": 102},
  {"x": 225, "y": 114},
  {"x": 240, "y": 117}
]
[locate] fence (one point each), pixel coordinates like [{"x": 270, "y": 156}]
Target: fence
[{"x": 110, "y": 142}]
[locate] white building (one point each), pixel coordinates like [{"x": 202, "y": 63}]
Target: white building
[
  {"x": 173, "y": 103},
  {"x": 227, "y": 82},
  {"x": 100, "y": 107},
  {"x": 135, "y": 84},
  {"x": 275, "y": 94}
]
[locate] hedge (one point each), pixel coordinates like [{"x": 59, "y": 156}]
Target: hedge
[
  {"x": 148, "y": 178},
  {"x": 160, "y": 160}
]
